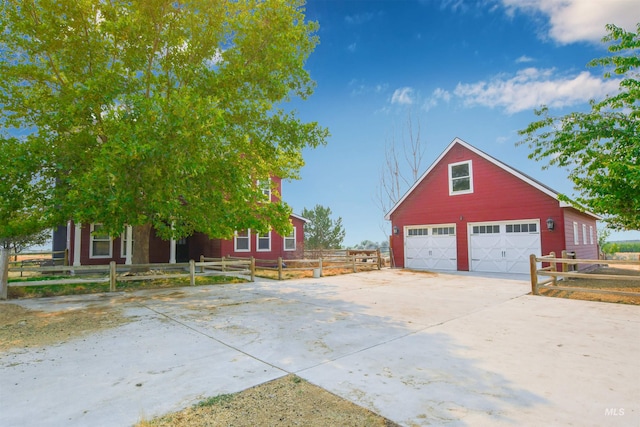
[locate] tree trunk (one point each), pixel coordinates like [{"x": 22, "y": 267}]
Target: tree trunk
[
  {"x": 140, "y": 255},
  {"x": 4, "y": 272}
]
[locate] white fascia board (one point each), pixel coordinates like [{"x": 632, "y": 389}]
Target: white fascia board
[{"x": 300, "y": 218}]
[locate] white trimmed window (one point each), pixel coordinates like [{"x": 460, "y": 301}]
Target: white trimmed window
[
  {"x": 264, "y": 242},
  {"x": 265, "y": 187},
  {"x": 460, "y": 178},
  {"x": 100, "y": 245},
  {"x": 584, "y": 233},
  {"x": 290, "y": 241},
  {"x": 591, "y": 234},
  {"x": 242, "y": 241},
  {"x": 576, "y": 237}
]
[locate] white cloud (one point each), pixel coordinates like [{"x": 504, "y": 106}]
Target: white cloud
[
  {"x": 523, "y": 59},
  {"x": 352, "y": 47},
  {"x": 359, "y": 18},
  {"x": 359, "y": 87},
  {"x": 402, "y": 96},
  {"x": 438, "y": 95},
  {"x": 580, "y": 20},
  {"x": 530, "y": 88}
]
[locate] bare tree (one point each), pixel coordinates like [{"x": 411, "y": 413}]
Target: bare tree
[{"x": 403, "y": 158}]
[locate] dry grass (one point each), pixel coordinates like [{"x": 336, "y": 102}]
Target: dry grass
[
  {"x": 287, "y": 401},
  {"x": 22, "y": 328},
  {"x": 601, "y": 284}
]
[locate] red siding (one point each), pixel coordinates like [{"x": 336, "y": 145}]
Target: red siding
[
  {"x": 277, "y": 245},
  {"x": 584, "y": 250},
  {"x": 497, "y": 196}
]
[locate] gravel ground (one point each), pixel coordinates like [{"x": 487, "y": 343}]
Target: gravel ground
[{"x": 287, "y": 401}]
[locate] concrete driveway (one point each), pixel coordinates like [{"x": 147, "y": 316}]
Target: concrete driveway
[{"x": 453, "y": 350}]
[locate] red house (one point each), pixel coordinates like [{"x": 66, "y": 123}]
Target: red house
[
  {"x": 471, "y": 212},
  {"x": 87, "y": 246}
]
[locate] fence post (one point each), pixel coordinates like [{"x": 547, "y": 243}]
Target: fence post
[
  {"x": 320, "y": 266},
  {"x": 379, "y": 259},
  {"x": 252, "y": 267},
  {"x": 112, "y": 276},
  {"x": 554, "y": 268},
  {"x": 279, "y": 268},
  {"x": 222, "y": 266},
  {"x": 65, "y": 261},
  {"x": 202, "y": 266},
  {"x": 353, "y": 260},
  {"x": 4, "y": 273},
  {"x": 565, "y": 266},
  {"x": 534, "y": 274},
  {"x": 192, "y": 272}
]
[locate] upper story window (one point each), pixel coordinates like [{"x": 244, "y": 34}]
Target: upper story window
[
  {"x": 460, "y": 178},
  {"x": 265, "y": 186},
  {"x": 100, "y": 246}
]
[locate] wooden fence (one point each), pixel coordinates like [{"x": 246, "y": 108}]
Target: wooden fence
[
  {"x": 569, "y": 270},
  {"x": 329, "y": 260},
  {"x": 113, "y": 273}
]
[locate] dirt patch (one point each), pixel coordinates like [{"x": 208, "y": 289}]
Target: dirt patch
[
  {"x": 20, "y": 328},
  {"x": 600, "y": 284},
  {"x": 287, "y": 401}
]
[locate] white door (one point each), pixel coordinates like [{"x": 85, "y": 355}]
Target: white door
[
  {"x": 430, "y": 247},
  {"x": 503, "y": 247}
]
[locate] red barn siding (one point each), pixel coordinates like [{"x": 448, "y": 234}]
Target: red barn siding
[
  {"x": 497, "y": 196},
  {"x": 584, "y": 250}
]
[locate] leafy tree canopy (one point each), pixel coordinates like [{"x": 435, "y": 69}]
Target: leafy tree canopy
[
  {"x": 601, "y": 148},
  {"x": 159, "y": 112},
  {"x": 322, "y": 232}
]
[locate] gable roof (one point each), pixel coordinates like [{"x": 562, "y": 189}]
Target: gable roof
[
  {"x": 520, "y": 175},
  {"x": 300, "y": 218}
]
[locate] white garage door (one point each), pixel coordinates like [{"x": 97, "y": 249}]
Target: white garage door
[
  {"x": 430, "y": 247},
  {"x": 503, "y": 247}
]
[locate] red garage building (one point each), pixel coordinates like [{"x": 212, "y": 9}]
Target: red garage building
[{"x": 471, "y": 212}]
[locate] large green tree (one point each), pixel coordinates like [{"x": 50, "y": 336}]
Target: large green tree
[
  {"x": 159, "y": 113},
  {"x": 601, "y": 148},
  {"x": 323, "y": 232}
]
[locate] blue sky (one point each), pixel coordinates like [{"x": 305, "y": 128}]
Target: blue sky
[{"x": 469, "y": 69}]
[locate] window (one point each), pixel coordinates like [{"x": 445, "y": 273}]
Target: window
[
  {"x": 591, "y": 234},
  {"x": 418, "y": 231},
  {"x": 522, "y": 228},
  {"x": 100, "y": 246},
  {"x": 123, "y": 241},
  {"x": 265, "y": 187},
  {"x": 460, "y": 178},
  {"x": 241, "y": 241},
  {"x": 576, "y": 238},
  {"x": 264, "y": 242},
  {"x": 443, "y": 231},
  {"x": 290, "y": 241},
  {"x": 584, "y": 233},
  {"x": 486, "y": 229}
]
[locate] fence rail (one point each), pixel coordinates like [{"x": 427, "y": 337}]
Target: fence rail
[
  {"x": 330, "y": 260},
  {"x": 113, "y": 273},
  {"x": 568, "y": 263}
]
